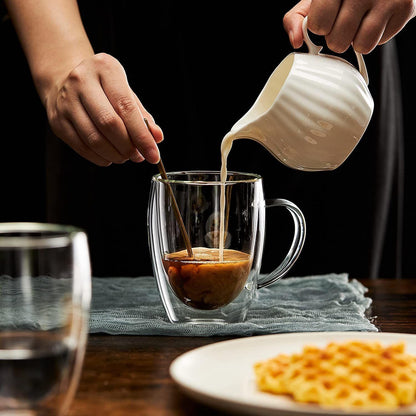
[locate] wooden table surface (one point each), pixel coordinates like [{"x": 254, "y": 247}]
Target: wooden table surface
[{"x": 129, "y": 375}]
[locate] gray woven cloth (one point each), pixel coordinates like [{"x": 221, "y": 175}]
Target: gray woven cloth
[{"x": 332, "y": 302}]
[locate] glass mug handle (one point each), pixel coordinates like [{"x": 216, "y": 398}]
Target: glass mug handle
[{"x": 297, "y": 242}]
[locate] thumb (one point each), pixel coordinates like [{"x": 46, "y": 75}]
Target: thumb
[{"x": 292, "y": 22}]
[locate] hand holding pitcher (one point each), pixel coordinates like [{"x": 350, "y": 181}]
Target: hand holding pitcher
[{"x": 312, "y": 112}]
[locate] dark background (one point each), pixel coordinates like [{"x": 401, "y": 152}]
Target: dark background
[{"x": 197, "y": 69}]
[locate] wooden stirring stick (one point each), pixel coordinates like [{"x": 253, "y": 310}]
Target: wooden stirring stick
[{"x": 178, "y": 216}]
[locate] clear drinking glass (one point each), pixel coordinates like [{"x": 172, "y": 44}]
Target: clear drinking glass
[
  {"x": 207, "y": 285},
  {"x": 45, "y": 292}
]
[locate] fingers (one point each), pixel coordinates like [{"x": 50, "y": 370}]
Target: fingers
[
  {"x": 362, "y": 23},
  {"x": 125, "y": 104},
  {"x": 67, "y": 133},
  {"x": 99, "y": 121},
  {"x": 341, "y": 28},
  {"x": 154, "y": 128},
  {"x": 369, "y": 33},
  {"x": 399, "y": 19},
  {"x": 322, "y": 16},
  {"x": 292, "y": 22},
  {"x": 92, "y": 137}
]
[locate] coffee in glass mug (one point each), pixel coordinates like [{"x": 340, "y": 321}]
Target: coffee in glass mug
[{"x": 217, "y": 281}]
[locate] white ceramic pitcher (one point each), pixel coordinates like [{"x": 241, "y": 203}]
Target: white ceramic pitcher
[{"x": 312, "y": 111}]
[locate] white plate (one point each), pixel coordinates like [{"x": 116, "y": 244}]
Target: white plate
[{"x": 221, "y": 374}]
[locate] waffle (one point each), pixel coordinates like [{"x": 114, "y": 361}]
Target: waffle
[{"x": 350, "y": 375}]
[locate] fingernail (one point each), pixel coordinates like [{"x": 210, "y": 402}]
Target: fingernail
[
  {"x": 154, "y": 156},
  {"x": 292, "y": 38},
  {"x": 163, "y": 136},
  {"x": 137, "y": 158}
]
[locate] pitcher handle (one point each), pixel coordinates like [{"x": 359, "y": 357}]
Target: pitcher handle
[
  {"x": 316, "y": 49},
  {"x": 297, "y": 242}
]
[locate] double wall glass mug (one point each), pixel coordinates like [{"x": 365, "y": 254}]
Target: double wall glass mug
[
  {"x": 212, "y": 281},
  {"x": 45, "y": 291}
]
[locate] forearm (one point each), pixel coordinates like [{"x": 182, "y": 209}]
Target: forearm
[{"x": 52, "y": 36}]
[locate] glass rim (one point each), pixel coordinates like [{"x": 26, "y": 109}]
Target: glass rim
[
  {"x": 250, "y": 177},
  {"x": 55, "y": 235}
]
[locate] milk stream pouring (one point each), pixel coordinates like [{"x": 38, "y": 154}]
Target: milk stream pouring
[{"x": 310, "y": 115}]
